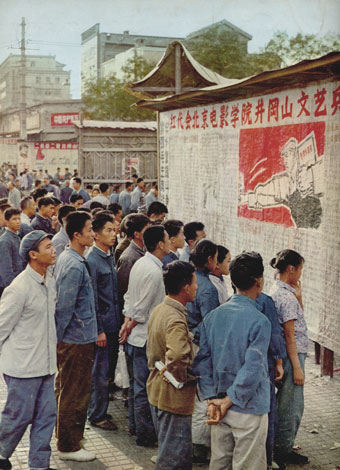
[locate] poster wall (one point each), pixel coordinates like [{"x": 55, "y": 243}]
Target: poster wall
[{"x": 263, "y": 174}]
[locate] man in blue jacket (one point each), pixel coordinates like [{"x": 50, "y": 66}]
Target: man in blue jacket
[
  {"x": 233, "y": 371},
  {"x": 105, "y": 283}
]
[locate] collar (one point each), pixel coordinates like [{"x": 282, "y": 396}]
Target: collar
[
  {"x": 75, "y": 254},
  {"x": 137, "y": 248},
  {"x": 245, "y": 299},
  {"x": 154, "y": 259},
  {"x": 175, "y": 304},
  {"x": 284, "y": 285},
  {"x": 13, "y": 234},
  {"x": 217, "y": 277},
  {"x": 102, "y": 253},
  {"x": 36, "y": 276}
]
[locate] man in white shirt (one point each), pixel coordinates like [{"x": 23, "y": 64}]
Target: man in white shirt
[
  {"x": 103, "y": 197},
  {"x": 28, "y": 209},
  {"x": 145, "y": 292},
  {"x": 137, "y": 197}
]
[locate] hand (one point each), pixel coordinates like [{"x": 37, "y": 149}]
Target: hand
[
  {"x": 214, "y": 414},
  {"x": 163, "y": 376},
  {"x": 123, "y": 334},
  {"x": 299, "y": 377},
  {"x": 54, "y": 222},
  {"x": 223, "y": 403},
  {"x": 278, "y": 372},
  {"x": 101, "y": 341}
]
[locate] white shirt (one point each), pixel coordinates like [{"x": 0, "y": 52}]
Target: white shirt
[
  {"x": 146, "y": 291},
  {"x": 221, "y": 288},
  {"x": 102, "y": 199},
  {"x": 25, "y": 219}
]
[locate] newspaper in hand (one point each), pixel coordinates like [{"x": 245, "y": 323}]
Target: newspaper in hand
[{"x": 160, "y": 366}]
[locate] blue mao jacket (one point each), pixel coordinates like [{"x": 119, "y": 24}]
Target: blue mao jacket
[
  {"x": 10, "y": 261},
  {"x": 206, "y": 300},
  {"x": 232, "y": 359},
  {"x": 105, "y": 285},
  {"x": 75, "y": 310},
  {"x": 42, "y": 223}
]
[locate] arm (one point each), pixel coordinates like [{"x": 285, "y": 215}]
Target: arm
[
  {"x": 6, "y": 264},
  {"x": 140, "y": 310},
  {"x": 288, "y": 328},
  {"x": 208, "y": 300},
  {"x": 101, "y": 341},
  {"x": 178, "y": 350},
  {"x": 11, "y": 307},
  {"x": 203, "y": 366}
]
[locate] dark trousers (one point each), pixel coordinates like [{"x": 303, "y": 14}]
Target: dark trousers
[
  {"x": 140, "y": 372},
  {"x": 105, "y": 361},
  {"x": 174, "y": 440},
  {"x": 272, "y": 419},
  {"x": 73, "y": 386},
  {"x": 29, "y": 401}
]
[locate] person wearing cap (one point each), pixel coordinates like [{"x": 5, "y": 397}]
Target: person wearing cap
[{"x": 28, "y": 353}]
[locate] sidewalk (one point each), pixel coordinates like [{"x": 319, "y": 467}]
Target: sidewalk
[{"x": 319, "y": 434}]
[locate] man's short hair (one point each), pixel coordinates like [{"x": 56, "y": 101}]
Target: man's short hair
[
  {"x": 176, "y": 275},
  {"x": 139, "y": 180},
  {"x": 154, "y": 185},
  {"x": 245, "y": 269},
  {"x": 114, "y": 208},
  {"x": 103, "y": 187},
  {"x": 203, "y": 249},
  {"x": 173, "y": 227},
  {"x": 64, "y": 211},
  {"x": 157, "y": 208},
  {"x": 128, "y": 184},
  {"x": 10, "y": 212},
  {"x": 75, "y": 222},
  {"x": 190, "y": 230},
  {"x": 100, "y": 219},
  {"x": 135, "y": 223},
  {"x": 96, "y": 205},
  {"x": 134, "y": 175},
  {"x": 85, "y": 209},
  {"x": 77, "y": 180},
  {"x": 45, "y": 201},
  {"x": 4, "y": 206},
  {"x": 25, "y": 202},
  {"x": 222, "y": 252},
  {"x": 56, "y": 201},
  {"x": 116, "y": 187},
  {"x": 89, "y": 186},
  {"x": 37, "y": 193},
  {"x": 75, "y": 197},
  {"x": 152, "y": 236}
]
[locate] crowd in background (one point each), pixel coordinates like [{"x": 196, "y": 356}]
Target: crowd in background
[{"x": 87, "y": 273}]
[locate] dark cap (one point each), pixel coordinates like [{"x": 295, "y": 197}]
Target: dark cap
[{"x": 31, "y": 242}]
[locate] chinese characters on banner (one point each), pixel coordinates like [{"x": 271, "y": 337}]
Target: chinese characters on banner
[{"x": 63, "y": 119}]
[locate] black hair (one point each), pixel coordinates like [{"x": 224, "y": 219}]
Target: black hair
[
  {"x": 139, "y": 180},
  {"x": 135, "y": 223},
  {"x": 134, "y": 176},
  {"x": 77, "y": 179},
  {"x": 37, "y": 193},
  {"x": 103, "y": 187},
  {"x": 154, "y": 185},
  {"x": 116, "y": 187},
  {"x": 128, "y": 184},
  {"x": 114, "y": 207},
  {"x": 152, "y": 236},
  {"x": 286, "y": 258},
  {"x": 64, "y": 211},
  {"x": 25, "y": 202},
  {"x": 75, "y": 197},
  {"x": 10, "y": 212},
  {"x": 173, "y": 227},
  {"x": 96, "y": 205},
  {"x": 4, "y": 206},
  {"x": 85, "y": 209},
  {"x": 201, "y": 252},
  {"x": 75, "y": 222},
  {"x": 45, "y": 201},
  {"x": 157, "y": 208},
  {"x": 222, "y": 252},
  {"x": 245, "y": 269},
  {"x": 176, "y": 275},
  {"x": 100, "y": 220},
  {"x": 57, "y": 201},
  {"x": 89, "y": 186},
  {"x": 190, "y": 230},
  {"x": 96, "y": 210}
]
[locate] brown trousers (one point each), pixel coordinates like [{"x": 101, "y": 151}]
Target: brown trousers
[{"x": 73, "y": 389}]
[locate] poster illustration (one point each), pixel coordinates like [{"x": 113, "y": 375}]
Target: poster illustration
[{"x": 281, "y": 174}]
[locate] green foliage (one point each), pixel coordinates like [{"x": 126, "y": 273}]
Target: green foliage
[
  {"x": 106, "y": 99},
  {"x": 301, "y": 47},
  {"x": 223, "y": 52}
]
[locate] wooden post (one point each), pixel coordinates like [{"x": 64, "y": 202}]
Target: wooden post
[
  {"x": 317, "y": 352},
  {"x": 327, "y": 357},
  {"x": 178, "y": 72}
]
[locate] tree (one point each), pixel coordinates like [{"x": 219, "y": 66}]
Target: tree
[
  {"x": 223, "y": 52},
  {"x": 300, "y": 47},
  {"x": 106, "y": 99}
]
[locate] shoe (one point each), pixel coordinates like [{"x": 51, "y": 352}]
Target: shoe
[
  {"x": 108, "y": 416},
  {"x": 296, "y": 459},
  {"x": 200, "y": 454},
  {"x": 105, "y": 424},
  {"x": 146, "y": 442},
  {"x": 132, "y": 431},
  {"x": 154, "y": 459},
  {"x": 5, "y": 464},
  {"x": 80, "y": 455}
]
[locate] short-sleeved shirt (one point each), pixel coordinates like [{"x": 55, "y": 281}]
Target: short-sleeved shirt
[{"x": 288, "y": 308}]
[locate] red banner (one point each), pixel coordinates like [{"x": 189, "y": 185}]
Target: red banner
[{"x": 63, "y": 119}]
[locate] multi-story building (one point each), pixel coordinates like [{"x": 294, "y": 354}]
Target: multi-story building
[{"x": 45, "y": 79}]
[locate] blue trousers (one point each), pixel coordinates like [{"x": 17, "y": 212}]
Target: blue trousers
[
  {"x": 272, "y": 419},
  {"x": 140, "y": 372},
  {"x": 290, "y": 404},
  {"x": 174, "y": 440},
  {"x": 105, "y": 361},
  {"x": 29, "y": 401}
]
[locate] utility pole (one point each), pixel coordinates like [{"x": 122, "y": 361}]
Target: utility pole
[{"x": 23, "y": 133}]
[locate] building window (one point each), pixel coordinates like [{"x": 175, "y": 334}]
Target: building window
[
  {"x": 57, "y": 79},
  {"x": 37, "y": 79},
  {"x": 48, "y": 79},
  {"x": 32, "y": 64}
]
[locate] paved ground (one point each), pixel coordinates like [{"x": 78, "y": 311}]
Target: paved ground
[{"x": 319, "y": 435}]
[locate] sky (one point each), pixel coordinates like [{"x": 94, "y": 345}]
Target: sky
[{"x": 54, "y": 27}]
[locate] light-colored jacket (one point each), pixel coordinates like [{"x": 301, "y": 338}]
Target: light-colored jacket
[{"x": 28, "y": 337}]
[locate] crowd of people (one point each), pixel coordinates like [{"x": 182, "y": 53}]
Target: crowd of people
[{"x": 86, "y": 274}]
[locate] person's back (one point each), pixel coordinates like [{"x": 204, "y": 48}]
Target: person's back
[{"x": 10, "y": 260}]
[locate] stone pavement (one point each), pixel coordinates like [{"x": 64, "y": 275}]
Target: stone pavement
[{"x": 318, "y": 437}]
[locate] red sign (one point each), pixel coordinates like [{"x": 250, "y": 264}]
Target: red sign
[
  {"x": 63, "y": 119},
  {"x": 56, "y": 145}
]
